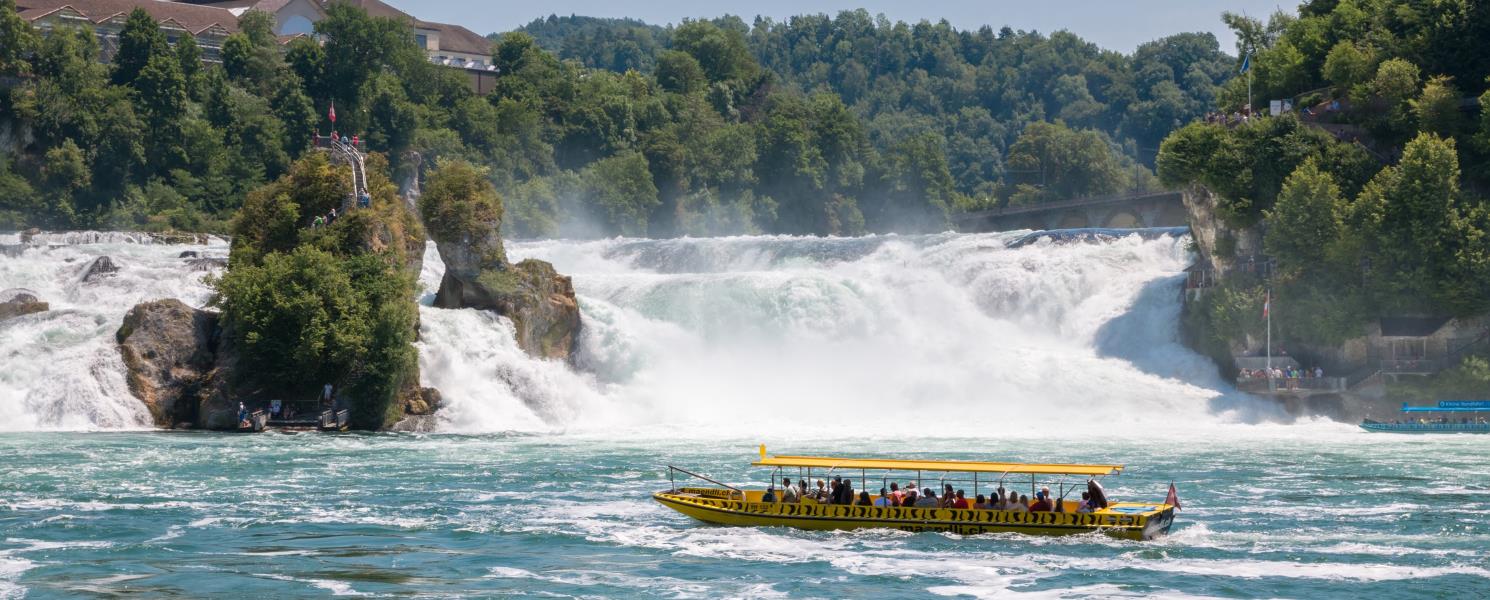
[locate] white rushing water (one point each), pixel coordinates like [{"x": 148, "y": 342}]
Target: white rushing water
[
  {"x": 61, "y": 369},
  {"x": 951, "y": 333},
  {"x": 942, "y": 334}
]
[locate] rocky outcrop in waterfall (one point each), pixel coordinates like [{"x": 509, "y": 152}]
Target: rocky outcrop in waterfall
[
  {"x": 1219, "y": 243},
  {"x": 177, "y": 364},
  {"x": 19, "y": 302},
  {"x": 464, "y": 218}
]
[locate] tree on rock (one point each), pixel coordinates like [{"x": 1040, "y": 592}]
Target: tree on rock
[{"x": 463, "y": 214}]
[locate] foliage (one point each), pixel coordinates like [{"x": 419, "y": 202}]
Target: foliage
[{"x": 460, "y": 204}]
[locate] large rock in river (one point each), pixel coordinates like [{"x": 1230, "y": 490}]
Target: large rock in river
[
  {"x": 17, "y": 302},
  {"x": 168, "y": 348},
  {"x": 463, "y": 215}
]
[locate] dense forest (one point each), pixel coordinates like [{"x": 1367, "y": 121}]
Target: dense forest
[
  {"x": 819, "y": 125},
  {"x": 1370, "y": 203}
]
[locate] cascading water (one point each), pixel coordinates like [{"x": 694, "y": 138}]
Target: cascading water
[
  {"x": 959, "y": 332},
  {"x": 954, "y": 333},
  {"x": 61, "y": 368}
]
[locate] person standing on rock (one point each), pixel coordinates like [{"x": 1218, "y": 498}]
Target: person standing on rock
[{"x": 326, "y": 394}]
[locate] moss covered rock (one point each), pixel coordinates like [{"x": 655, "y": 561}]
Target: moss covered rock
[{"x": 464, "y": 217}]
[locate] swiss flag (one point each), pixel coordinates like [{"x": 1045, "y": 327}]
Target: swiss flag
[
  {"x": 1173, "y": 499},
  {"x": 332, "y": 114}
]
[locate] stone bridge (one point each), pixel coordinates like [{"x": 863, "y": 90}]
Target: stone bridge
[{"x": 1149, "y": 209}]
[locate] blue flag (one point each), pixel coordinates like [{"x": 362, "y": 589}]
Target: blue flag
[{"x": 1246, "y": 63}]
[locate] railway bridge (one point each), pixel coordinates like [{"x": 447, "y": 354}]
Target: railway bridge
[{"x": 1147, "y": 209}]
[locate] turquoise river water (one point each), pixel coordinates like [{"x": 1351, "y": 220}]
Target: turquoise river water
[{"x": 1316, "y": 512}]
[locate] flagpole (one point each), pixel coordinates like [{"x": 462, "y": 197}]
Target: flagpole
[{"x": 1267, "y": 308}]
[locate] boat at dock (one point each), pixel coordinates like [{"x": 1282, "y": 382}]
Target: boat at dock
[
  {"x": 254, "y": 422},
  {"x": 730, "y": 505},
  {"x": 1449, "y": 416}
]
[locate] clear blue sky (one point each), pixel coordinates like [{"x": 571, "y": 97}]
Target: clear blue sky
[{"x": 1114, "y": 24}]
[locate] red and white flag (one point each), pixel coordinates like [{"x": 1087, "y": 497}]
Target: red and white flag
[
  {"x": 1267, "y": 301},
  {"x": 1173, "y": 499},
  {"x": 332, "y": 114}
]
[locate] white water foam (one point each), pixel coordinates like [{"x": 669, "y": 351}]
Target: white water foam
[
  {"x": 62, "y": 368},
  {"x": 796, "y": 335}
]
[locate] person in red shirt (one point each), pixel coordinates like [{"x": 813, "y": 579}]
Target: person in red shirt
[{"x": 960, "y": 502}]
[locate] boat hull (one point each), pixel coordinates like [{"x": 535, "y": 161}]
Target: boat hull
[
  {"x": 1426, "y": 427},
  {"x": 1123, "y": 520}
]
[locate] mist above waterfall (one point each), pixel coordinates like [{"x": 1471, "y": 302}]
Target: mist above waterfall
[{"x": 949, "y": 333}]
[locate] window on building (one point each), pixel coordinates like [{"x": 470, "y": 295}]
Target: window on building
[{"x": 422, "y": 40}]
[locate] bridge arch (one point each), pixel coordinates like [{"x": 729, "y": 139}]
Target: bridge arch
[
  {"x": 1123, "y": 219},
  {"x": 1073, "y": 219}
]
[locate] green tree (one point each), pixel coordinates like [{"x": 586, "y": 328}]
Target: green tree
[
  {"x": 140, "y": 41},
  {"x": 1066, "y": 163},
  {"x": 161, "y": 93},
  {"x": 679, "y": 72},
  {"x": 459, "y": 203},
  {"x": 17, "y": 40},
  {"x": 1410, "y": 216},
  {"x": 1437, "y": 108},
  {"x": 721, "y": 53},
  {"x": 1306, "y": 219},
  {"x": 1347, "y": 66},
  {"x": 621, "y": 186}
]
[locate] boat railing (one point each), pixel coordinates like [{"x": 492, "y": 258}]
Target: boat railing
[
  {"x": 671, "y": 479},
  {"x": 343, "y": 419}
]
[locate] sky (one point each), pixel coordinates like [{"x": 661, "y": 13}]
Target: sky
[{"x": 1113, "y": 24}]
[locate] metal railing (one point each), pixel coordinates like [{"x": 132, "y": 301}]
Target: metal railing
[
  {"x": 674, "y": 484},
  {"x": 1285, "y": 385}
]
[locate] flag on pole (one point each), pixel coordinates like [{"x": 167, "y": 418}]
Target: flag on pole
[
  {"x": 332, "y": 114},
  {"x": 1173, "y": 499},
  {"x": 1267, "y": 304},
  {"x": 1246, "y": 63}
]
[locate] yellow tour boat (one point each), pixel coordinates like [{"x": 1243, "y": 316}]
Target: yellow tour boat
[{"x": 729, "y": 505}]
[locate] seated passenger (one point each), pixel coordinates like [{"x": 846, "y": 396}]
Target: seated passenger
[
  {"x": 885, "y": 499},
  {"x": 910, "y": 499},
  {"x": 1086, "y": 503},
  {"x": 947, "y": 496},
  {"x": 789, "y": 492},
  {"x": 1042, "y": 503},
  {"x": 1021, "y": 505},
  {"x": 821, "y": 493},
  {"x": 846, "y": 493},
  {"x": 864, "y": 499},
  {"x": 928, "y": 501},
  {"x": 770, "y": 495},
  {"x": 960, "y": 501},
  {"x": 895, "y": 494}
]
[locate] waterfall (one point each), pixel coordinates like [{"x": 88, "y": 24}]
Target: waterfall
[{"x": 958, "y": 333}]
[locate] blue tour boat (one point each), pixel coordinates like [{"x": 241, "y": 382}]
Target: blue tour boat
[{"x": 1444, "y": 422}]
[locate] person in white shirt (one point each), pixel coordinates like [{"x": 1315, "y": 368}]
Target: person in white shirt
[{"x": 789, "y": 493}]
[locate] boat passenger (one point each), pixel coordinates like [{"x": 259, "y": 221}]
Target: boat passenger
[
  {"x": 981, "y": 503},
  {"x": 846, "y": 492},
  {"x": 789, "y": 492},
  {"x": 885, "y": 499},
  {"x": 928, "y": 501},
  {"x": 1086, "y": 503},
  {"x": 895, "y": 493},
  {"x": 864, "y": 499},
  {"x": 1042, "y": 503},
  {"x": 805, "y": 491},
  {"x": 960, "y": 501},
  {"x": 770, "y": 495},
  {"x": 821, "y": 494},
  {"x": 909, "y": 500},
  {"x": 947, "y": 496},
  {"x": 1021, "y": 505}
]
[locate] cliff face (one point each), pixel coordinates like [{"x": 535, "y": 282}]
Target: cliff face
[{"x": 1219, "y": 243}]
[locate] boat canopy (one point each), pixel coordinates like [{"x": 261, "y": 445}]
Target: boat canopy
[
  {"x": 1451, "y": 406},
  {"x": 958, "y": 466}
]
